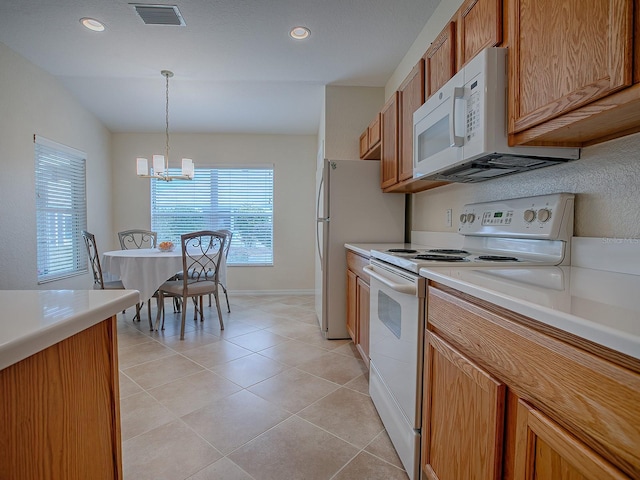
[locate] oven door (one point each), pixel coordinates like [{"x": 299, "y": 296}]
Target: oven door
[
  {"x": 396, "y": 346},
  {"x": 396, "y": 333}
]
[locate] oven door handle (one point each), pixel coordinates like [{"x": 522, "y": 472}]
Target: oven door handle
[{"x": 398, "y": 287}]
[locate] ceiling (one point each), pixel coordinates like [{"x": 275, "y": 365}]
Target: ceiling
[{"x": 236, "y": 70}]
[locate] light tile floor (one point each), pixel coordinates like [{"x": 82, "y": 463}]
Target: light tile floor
[{"x": 266, "y": 398}]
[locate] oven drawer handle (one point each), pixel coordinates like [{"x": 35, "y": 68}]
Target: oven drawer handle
[{"x": 398, "y": 287}]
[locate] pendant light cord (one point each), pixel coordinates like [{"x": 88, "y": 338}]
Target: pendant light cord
[{"x": 167, "y": 75}]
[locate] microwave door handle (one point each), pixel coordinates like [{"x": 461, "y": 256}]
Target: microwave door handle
[{"x": 456, "y": 141}]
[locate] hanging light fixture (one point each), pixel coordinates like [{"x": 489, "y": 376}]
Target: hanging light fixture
[{"x": 161, "y": 162}]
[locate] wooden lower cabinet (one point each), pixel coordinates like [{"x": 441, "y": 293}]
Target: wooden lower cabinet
[
  {"x": 362, "y": 296},
  {"x": 358, "y": 303},
  {"x": 463, "y": 416},
  {"x": 60, "y": 410},
  {"x": 506, "y": 397},
  {"x": 546, "y": 451}
]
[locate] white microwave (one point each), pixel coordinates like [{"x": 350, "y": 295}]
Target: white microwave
[{"x": 460, "y": 133}]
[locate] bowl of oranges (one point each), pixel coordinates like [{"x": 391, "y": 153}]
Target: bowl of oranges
[{"x": 166, "y": 246}]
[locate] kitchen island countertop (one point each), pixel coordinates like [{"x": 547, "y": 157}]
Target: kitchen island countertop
[{"x": 33, "y": 320}]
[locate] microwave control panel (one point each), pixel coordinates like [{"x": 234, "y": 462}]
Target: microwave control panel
[{"x": 473, "y": 111}]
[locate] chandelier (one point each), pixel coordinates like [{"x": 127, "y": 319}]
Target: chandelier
[{"x": 161, "y": 162}]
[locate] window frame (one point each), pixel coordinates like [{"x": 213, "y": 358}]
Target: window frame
[
  {"x": 220, "y": 208},
  {"x": 62, "y": 215}
]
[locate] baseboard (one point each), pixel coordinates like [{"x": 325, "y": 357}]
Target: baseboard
[{"x": 271, "y": 292}]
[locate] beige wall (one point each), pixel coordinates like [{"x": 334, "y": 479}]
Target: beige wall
[
  {"x": 294, "y": 160},
  {"x": 347, "y": 112},
  {"x": 606, "y": 179},
  {"x": 33, "y": 102}
]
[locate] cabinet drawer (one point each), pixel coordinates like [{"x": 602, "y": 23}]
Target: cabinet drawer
[
  {"x": 356, "y": 264},
  {"x": 593, "y": 398}
]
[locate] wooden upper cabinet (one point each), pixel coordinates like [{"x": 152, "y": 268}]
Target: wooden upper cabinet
[
  {"x": 411, "y": 98},
  {"x": 479, "y": 27},
  {"x": 564, "y": 55},
  {"x": 389, "y": 154},
  {"x": 370, "y": 140},
  {"x": 440, "y": 60},
  {"x": 546, "y": 451}
]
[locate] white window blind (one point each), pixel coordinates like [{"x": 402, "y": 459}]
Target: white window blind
[
  {"x": 237, "y": 199},
  {"x": 61, "y": 210}
]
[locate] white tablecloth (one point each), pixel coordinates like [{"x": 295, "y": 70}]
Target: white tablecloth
[{"x": 145, "y": 269}]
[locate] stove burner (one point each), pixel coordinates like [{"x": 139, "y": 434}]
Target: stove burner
[
  {"x": 440, "y": 258},
  {"x": 449, "y": 251},
  {"x": 401, "y": 250},
  {"x": 497, "y": 258}
]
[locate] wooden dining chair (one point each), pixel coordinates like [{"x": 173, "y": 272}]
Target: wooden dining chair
[
  {"x": 137, "y": 238},
  {"x": 96, "y": 268},
  {"x": 201, "y": 257}
]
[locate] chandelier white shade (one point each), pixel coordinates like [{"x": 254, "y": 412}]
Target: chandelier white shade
[{"x": 160, "y": 163}]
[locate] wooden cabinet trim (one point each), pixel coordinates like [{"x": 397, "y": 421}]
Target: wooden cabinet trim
[{"x": 575, "y": 388}]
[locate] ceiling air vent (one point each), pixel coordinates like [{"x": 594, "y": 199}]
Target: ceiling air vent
[{"x": 159, "y": 14}]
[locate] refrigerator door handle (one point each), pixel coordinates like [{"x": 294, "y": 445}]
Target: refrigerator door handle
[{"x": 320, "y": 219}]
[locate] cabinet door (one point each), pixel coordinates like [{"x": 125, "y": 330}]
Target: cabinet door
[
  {"x": 364, "y": 143},
  {"x": 352, "y": 306},
  {"x": 545, "y": 451},
  {"x": 363, "y": 320},
  {"x": 440, "y": 60},
  {"x": 463, "y": 416},
  {"x": 564, "y": 55},
  {"x": 479, "y": 27},
  {"x": 411, "y": 98},
  {"x": 389, "y": 155}
]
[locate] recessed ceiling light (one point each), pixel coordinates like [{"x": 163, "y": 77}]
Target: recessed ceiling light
[
  {"x": 299, "y": 33},
  {"x": 92, "y": 24}
]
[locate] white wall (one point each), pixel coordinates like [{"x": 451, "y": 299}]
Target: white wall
[
  {"x": 606, "y": 179},
  {"x": 33, "y": 102},
  {"x": 294, "y": 158}
]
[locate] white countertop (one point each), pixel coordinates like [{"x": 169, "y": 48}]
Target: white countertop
[
  {"x": 365, "y": 248},
  {"x": 600, "y": 306},
  {"x": 597, "y": 299},
  {"x": 32, "y": 320}
]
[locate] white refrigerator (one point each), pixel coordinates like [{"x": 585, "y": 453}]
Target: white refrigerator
[{"x": 350, "y": 208}]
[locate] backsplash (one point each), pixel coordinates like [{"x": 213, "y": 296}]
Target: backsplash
[{"x": 606, "y": 181}]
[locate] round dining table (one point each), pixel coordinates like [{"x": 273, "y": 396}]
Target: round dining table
[{"x": 146, "y": 269}]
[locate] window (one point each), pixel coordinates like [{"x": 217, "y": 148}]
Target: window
[
  {"x": 238, "y": 199},
  {"x": 61, "y": 210}
]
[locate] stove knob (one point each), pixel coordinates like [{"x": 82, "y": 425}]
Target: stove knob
[
  {"x": 544, "y": 214},
  {"x": 463, "y": 218},
  {"x": 471, "y": 217},
  {"x": 529, "y": 215}
]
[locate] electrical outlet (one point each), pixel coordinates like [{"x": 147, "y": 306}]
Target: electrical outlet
[{"x": 449, "y": 215}]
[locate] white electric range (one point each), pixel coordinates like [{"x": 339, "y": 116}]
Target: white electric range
[
  {"x": 516, "y": 233},
  {"x": 532, "y": 231}
]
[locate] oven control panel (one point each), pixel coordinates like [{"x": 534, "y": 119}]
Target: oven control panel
[{"x": 544, "y": 216}]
